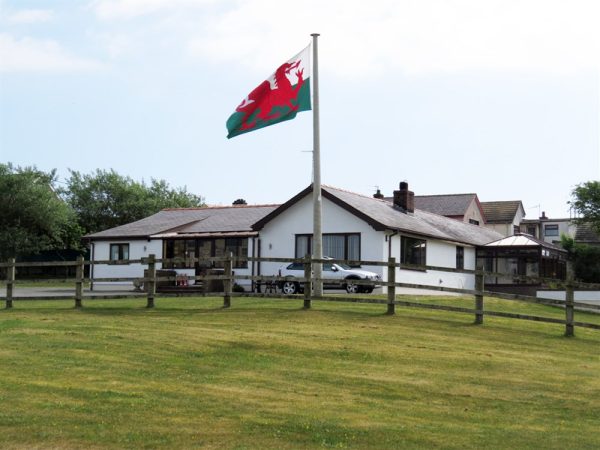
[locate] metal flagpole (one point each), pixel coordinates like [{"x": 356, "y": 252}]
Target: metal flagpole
[{"x": 317, "y": 248}]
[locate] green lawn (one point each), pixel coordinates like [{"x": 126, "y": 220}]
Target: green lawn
[{"x": 267, "y": 374}]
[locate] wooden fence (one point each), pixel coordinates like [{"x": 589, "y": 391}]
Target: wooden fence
[{"x": 229, "y": 278}]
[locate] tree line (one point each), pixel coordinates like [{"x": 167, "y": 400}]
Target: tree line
[{"x": 37, "y": 214}]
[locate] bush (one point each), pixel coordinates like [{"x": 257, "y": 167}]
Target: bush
[{"x": 238, "y": 288}]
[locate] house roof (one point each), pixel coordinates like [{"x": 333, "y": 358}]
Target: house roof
[
  {"x": 547, "y": 220},
  {"x": 502, "y": 211},
  {"x": 230, "y": 220},
  {"x": 383, "y": 215},
  {"x": 445, "y": 205},
  {"x": 585, "y": 234}
]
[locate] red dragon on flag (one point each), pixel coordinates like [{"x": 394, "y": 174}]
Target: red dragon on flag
[{"x": 279, "y": 98}]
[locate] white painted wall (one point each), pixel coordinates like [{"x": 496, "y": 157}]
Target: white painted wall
[
  {"x": 442, "y": 254},
  {"x": 137, "y": 249}
]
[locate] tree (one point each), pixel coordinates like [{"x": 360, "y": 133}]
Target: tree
[
  {"x": 585, "y": 259},
  {"x": 240, "y": 201},
  {"x": 586, "y": 202},
  {"x": 105, "y": 199},
  {"x": 33, "y": 217}
]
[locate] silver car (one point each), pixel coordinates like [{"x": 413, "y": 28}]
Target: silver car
[{"x": 342, "y": 275}]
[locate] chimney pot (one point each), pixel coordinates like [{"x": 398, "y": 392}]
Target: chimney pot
[{"x": 378, "y": 195}]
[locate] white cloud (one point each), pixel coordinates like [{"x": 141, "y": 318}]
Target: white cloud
[
  {"x": 118, "y": 44},
  {"x": 29, "y": 16},
  {"x": 361, "y": 38},
  {"x": 27, "y": 54},
  {"x": 128, "y": 9}
]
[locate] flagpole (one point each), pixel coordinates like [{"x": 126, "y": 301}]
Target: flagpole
[{"x": 317, "y": 249}]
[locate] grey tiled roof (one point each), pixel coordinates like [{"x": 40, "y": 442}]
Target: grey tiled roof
[
  {"x": 423, "y": 223},
  {"x": 585, "y": 234},
  {"x": 190, "y": 220},
  {"x": 500, "y": 212},
  {"x": 445, "y": 205}
]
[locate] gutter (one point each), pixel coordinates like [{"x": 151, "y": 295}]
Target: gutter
[{"x": 390, "y": 236}]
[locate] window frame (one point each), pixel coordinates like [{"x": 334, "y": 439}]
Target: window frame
[
  {"x": 460, "y": 257},
  {"x": 120, "y": 247},
  {"x": 404, "y": 246},
  {"x": 552, "y": 227},
  {"x": 347, "y": 249}
]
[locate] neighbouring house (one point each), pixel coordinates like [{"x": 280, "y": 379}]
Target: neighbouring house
[
  {"x": 521, "y": 255},
  {"x": 548, "y": 230},
  {"x": 358, "y": 227},
  {"x": 505, "y": 217},
  {"x": 178, "y": 233},
  {"x": 463, "y": 207}
]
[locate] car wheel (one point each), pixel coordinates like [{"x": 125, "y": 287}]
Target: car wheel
[
  {"x": 289, "y": 287},
  {"x": 352, "y": 288},
  {"x": 368, "y": 290}
]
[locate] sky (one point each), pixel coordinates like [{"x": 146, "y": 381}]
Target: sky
[{"x": 497, "y": 98}]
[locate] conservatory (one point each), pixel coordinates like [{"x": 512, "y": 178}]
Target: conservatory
[{"x": 514, "y": 258}]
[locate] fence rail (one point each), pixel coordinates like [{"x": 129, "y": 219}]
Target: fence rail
[{"x": 151, "y": 280}]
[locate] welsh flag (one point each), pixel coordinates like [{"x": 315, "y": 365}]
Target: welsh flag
[{"x": 280, "y": 97}]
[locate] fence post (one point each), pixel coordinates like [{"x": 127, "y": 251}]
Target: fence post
[
  {"x": 569, "y": 299},
  {"x": 308, "y": 282},
  {"x": 152, "y": 282},
  {"x": 391, "y": 290},
  {"x": 479, "y": 287},
  {"x": 10, "y": 281},
  {"x": 228, "y": 282},
  {"x": 79, "y": 282}
]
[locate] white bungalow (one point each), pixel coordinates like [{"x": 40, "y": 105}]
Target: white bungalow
[{"x": 355, "y": 227}]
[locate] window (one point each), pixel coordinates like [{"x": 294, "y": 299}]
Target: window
[
  {"x": 119, "y": 252},
  {"x": 239, "y": 248},
  {"x": 550, "y": 230},
  {"x": 336, "y": 246},
  {"x": 180, "y": 249},
  {"x": 460, "y": 257},
  {"x": 474, "y": 222},
  {"x": 413, "y": 251},
  {"x": 531, "y": 231},
  {"x": 516, "y": 229},
  {"x": 185, "y": 249},
  {"x": 303, "y": 245}
]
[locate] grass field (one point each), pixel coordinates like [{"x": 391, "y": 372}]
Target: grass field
[{"x": 267, "y": 374}]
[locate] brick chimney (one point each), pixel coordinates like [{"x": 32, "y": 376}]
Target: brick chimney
[
  {"x": 543, "y": 216},
  {"x": 378, "y": 195},
  {"x": 404, "y": 198}
]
